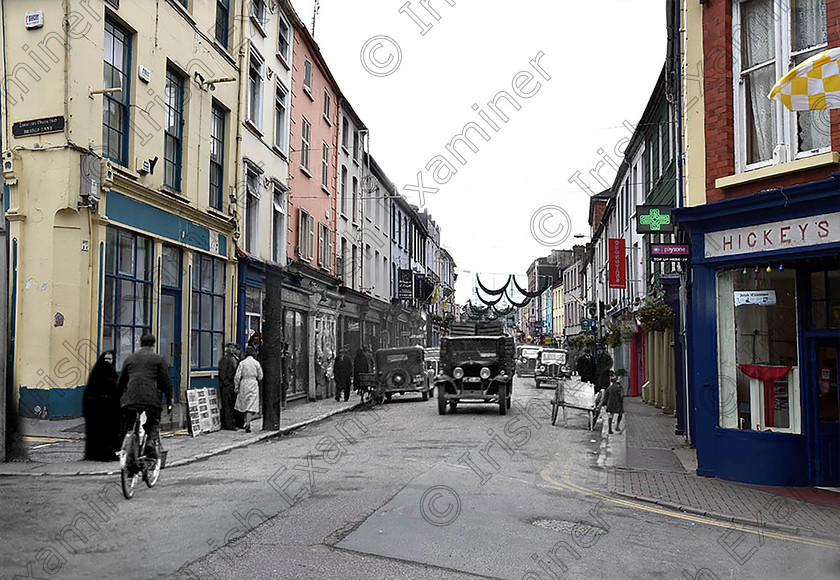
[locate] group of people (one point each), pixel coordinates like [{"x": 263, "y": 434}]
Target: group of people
[
  {"x": 608, "y": 391},
  {"x": 345, "y": 369},
  {"x": 111, "y": 404},
  {"x": 240, "y": 380}
]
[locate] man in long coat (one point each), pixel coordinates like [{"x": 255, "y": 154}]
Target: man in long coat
[
  {"x": 247, "y": 381},
  {"x": 227, "y": 374},
  {"x": 361, "y": 365},
  {"x": 343, "y": 373}
]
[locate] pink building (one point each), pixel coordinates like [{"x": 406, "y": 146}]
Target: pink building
[{"x": 313, "y": 157}]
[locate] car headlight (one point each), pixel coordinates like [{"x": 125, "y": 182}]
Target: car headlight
[
  {"x": 484, "y": 373},
  {"x": 542, "y": 368},
  {"x": 418, "y": 378},
  {"x": 458, "y": 372}
]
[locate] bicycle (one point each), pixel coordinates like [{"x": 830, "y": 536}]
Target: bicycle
[{"x": 133, "y": 465}]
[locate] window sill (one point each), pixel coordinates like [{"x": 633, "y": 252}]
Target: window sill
[
  {"x": 282, "y": 60},
  {"x": 217, "y": 213},
  {"x": 169, "y": 192},
  {"x": 280, "y": 152},
  {"x": 325, "y": 189},
  {"x": 327, "y": 119},
  {"x": 345, "y": 149},
  {"x": 256, "y": 22},
  {"x": 770, "y": 171},
  {"x": 250, "y": 124},
  {"x": 344, "y": 216},
  {"x": 308, "y": 91},
  {"x": 183, "y": 10},
  {"x": 305, "y": 171}
]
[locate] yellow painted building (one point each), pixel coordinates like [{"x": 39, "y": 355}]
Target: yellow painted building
[
  {"x": 558, "y": 321},
  {"x": 121, "y": 194}
]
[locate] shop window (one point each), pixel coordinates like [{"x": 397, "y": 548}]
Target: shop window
[
  {"x": 825, "y": 300},
  {"x": 253, "y": 310},
  {"x": 208, "y": 312},
  {"x": 127, "y": 303},
  {"x": 758, "y": 377}
]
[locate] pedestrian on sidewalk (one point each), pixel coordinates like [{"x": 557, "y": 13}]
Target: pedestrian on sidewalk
[
  {"x": 603, "y": 368},
  {"x": 343, "y": 373},
  {"x": 143, "y": 379},
  {"x": 227, "y": 388},
  {"x": 360, "y": 365},
  {"x": 101, "y": 409},
  {"x": 614, "y": 402},
  {"x": 247, "y": 383},
  {"x": 585, "y": 366}
]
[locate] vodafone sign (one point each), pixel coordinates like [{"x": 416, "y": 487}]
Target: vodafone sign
[{"x": 795, "y": 233}]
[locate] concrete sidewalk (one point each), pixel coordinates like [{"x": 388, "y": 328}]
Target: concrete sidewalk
[
  {"x": 651, "y": 464},
  {"x": 56, "y": 448}
]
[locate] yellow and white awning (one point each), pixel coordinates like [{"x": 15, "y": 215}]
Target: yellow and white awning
[{"x": 812, "y": 85}]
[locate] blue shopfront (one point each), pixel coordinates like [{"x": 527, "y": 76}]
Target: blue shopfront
[{"x": 764, "y": 335}]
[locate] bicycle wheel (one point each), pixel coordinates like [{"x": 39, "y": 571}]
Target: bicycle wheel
[
  {"x": 128, "y": 481},
  {"x": 128, "y": 458}
]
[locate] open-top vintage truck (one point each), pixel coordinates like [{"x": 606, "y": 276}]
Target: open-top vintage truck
[{"x": 475, "y": 369}]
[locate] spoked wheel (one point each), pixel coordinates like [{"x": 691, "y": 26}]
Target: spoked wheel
[{"x": 128, "y": 481}]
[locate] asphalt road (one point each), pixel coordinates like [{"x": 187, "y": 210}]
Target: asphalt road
[{"x": 395, "y": 492}]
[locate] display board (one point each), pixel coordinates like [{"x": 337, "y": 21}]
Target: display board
[{"x": 203, "y": 409}]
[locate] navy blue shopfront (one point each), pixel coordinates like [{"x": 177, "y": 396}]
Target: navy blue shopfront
[{"x": 764, "y": 335}]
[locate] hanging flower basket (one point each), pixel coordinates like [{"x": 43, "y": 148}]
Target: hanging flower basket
[
  {"x": 656, "y": 317},
  {"x": 613, "y": 336}
]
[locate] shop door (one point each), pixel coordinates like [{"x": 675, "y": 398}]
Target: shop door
[
  {"x": 170, "y": 335},
  {"x": 824, "y": 385}
]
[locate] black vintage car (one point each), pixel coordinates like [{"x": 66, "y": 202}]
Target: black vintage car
[
  {"x": 402, "y": 370},
  {"x": 526, "y": 359},
  {"x": 551, "y": 367},
  {"x": 475, "y": 369}
]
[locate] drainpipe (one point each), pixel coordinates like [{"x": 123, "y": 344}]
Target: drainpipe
[{"x": 684, "y": 276}]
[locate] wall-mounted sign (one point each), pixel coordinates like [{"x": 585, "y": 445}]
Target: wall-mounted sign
[
  {"x": 755, "y": 297},
  {"x": 669, "y": 252},
  {"x": 793, "y": 233},
  {"x": 38, "y": 126},
  {"x": 144, "y": 73},
  {"x": 405, "y": 284},
  {"x": 654, "y": 219},
  {"x": 32, "y": 20},
  {"x": 618, "y": 264}
]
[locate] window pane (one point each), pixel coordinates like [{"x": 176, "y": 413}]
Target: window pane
[
  {"x": 111, "y": 251},
  {"x": 757, "y": 33},
  {"x": 125, "y": 343},
  {"x": 218, "y": 313},
  {"x": 818, "y": 314},
  {"x": 126, "y": 254},
  {"x": 817, "y": 285},
  {"x": 219, "y": 277},
  {"x": 834, "y": 314},
  {"x": 760, "y": 114},
  {"x": 108, "y": 340},
  {"x": 125, "y": 306},
  {"x": 834, "y": 284},
  {"x": 109, "y": 300},
  {"x": 194, "y": 349},
  {"x": 143, "y": 301},
  {"x": 195, "y": 306},
  {"x": 216, "y": 349},
  {"x": 206, "y": 273},
  {"x": 170, "y": 269},
  {"x": 145, "y": 258},
  {"x": 809, "y": 24},
  {"x": 206, "y": 312},
  {"x": 206, "y": 350}
]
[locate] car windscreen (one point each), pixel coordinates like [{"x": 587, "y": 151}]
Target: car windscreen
[
  {"x": 530, "y": 352},
  {"x": 554, "y": 357}
]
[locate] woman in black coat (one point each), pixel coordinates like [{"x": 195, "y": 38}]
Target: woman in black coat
[{"x": 101, "y": 409}]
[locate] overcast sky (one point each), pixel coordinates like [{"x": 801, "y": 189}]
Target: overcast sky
[{"x": 602, "y": 56}]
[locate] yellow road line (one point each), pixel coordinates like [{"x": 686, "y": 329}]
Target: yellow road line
[{"x": 566, "y": 483}]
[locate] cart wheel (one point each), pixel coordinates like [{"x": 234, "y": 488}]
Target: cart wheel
[
  {"x": 425, "y": 395},
  {"x": 503, "y": 400},
  {"x": 388, "y": 396},
  {"x": 453, "y": 404},
  {"x": 441, "y": 403},
  {"x": 380, "y": 399}
]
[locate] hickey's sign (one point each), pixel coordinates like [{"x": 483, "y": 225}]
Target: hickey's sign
[{"x": 794, "y": 233}]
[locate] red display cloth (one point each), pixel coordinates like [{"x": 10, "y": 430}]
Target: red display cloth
[{"x": 768, "y": 374}]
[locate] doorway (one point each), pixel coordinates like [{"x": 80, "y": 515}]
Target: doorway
[
  {"x": 169, "y": 334},
  {"x": 823, "y": 383}
]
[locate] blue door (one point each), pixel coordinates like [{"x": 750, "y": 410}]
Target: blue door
[{"x": 824, "y": 385}]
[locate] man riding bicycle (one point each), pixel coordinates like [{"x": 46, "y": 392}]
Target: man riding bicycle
[{"x": 144, "y": 376}]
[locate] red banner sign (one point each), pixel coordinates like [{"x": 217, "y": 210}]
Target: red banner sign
[{"x": 618, "y": 264}]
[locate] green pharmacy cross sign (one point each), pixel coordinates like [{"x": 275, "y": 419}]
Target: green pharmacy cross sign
[{"x": 654, "y": 219}]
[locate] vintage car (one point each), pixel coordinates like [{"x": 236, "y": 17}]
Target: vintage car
[
  {"x": 475, "y": 369},
  {"x": 551, "y": 367},
  {"x": 402, "y": 370},
  {"x": 526, "y": 359}
]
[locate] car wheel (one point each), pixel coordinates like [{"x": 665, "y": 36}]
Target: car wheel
[
  {"x": 537, "y": 383},
  {"x": 441, "y": 403},
  {"x": 502, "y": 400},
  {"x": 388, "y": 396},
  {"x": 425, "y": 395},
  {"x": 453, "y": 405}
]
